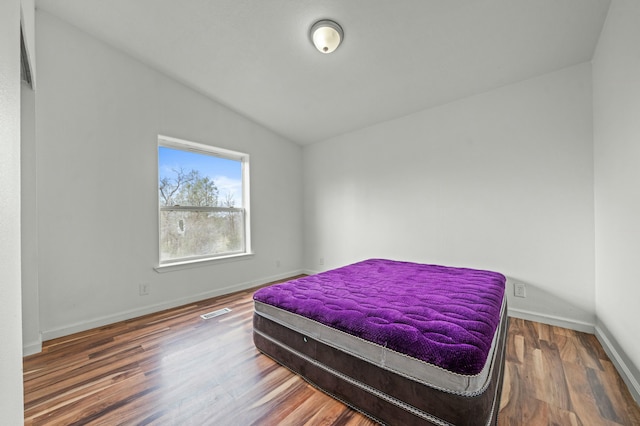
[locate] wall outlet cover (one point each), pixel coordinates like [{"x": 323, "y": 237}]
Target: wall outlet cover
[
  {"x": 144, "y": 288},
  {"x": 519, "y": 290}
]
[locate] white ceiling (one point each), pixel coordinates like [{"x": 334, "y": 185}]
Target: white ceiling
[{"x": 398, "y": 56}]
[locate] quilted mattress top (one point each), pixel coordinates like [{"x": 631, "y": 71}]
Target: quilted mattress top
[{"x": 445, "y": 316}]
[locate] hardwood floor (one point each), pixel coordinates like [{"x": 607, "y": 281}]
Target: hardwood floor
[
  {"x": 556, "y": 376},
  {"x": 173, "y": 368}
]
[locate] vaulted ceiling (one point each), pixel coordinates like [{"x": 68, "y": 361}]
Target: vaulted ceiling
[{"x": 398, "y": 56}]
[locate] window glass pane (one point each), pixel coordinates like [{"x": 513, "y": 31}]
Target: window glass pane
[
  {"x": 187, "y": 234},
  {"x": 193, "y": 179}
]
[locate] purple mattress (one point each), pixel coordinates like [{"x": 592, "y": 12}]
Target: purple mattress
[
  {"x": 441, "y": 315},
  {"x": 402, "y": 342}
]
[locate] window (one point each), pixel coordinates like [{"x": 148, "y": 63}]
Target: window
[{"x": 203, "y": 195}]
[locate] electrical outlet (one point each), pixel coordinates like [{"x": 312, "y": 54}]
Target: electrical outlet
[
  {"x": 144, "y": 289},
  {"x": 321, "y": 261},
  {"x": 278, "y": 263},
  {"x": 519, "y": 290}
]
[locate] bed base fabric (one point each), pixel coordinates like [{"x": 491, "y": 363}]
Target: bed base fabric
[{"x": 385, "y": 396}]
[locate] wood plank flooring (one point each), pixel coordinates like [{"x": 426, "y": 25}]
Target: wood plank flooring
[
  {"x": 173, "y": 368},
  {"x": 556, "y": 376}
]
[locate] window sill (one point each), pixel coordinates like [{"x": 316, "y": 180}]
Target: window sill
[{"x": 177, "y": 266}]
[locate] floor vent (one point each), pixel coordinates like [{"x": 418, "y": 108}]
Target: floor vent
[{"x": 215, "y": 313}]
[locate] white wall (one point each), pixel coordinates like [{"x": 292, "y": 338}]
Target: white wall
[
  {"x": 98, "y": 116},
  {"x": 502, "y": 180},
  {"x": 616, "y": 86},
  {"x": 31, "y": 338},
  {"x": 10, "y": 298}
]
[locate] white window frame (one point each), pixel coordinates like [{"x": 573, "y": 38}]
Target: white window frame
[{"x": 175, "y": 143}]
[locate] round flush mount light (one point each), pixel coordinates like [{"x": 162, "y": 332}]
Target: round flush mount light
[{"x": 326, "y": 35}]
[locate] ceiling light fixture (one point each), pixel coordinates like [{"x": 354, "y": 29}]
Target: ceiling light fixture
[{"x": 326, "y": 35}]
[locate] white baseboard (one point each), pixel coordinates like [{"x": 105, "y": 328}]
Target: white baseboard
[
  {"x": 569, "y": 323},
  {"x": 31, "y": 348},
  {"x": 133, "y": 313},
  {"x": 618, "y": 361}
]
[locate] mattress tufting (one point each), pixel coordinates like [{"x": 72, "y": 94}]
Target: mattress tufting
[{"x": 440, "y": 315}]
